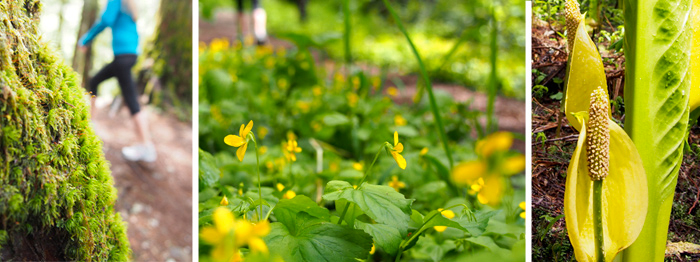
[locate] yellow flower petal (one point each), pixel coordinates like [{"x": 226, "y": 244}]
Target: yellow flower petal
[
  {"x": 234, "y": 140},
  {"x": 280, "y": 187},
  {"x": 448, "y": 214},
  {"x": 499, "y": 141},
  {"x": 624, "y": 196},
  {"x": 423, "y": 151},
  {"x": 522, "y": 205},
  {"x": 590, "y": 74},
  {"x": 398, "y": 148},
  {"x": 244, "y": 132},
  {"x": 399, "y": 159},
  {"x": 289, "y": 194},
  {"x": 513, "y": 165},
  {"x": 211, "y": 235},
  {"x": 467, "y": 173},
  {"x": 522, "y": 214},
  {"x": 257, "y": 245},
  {"x": 492, "y": 191},
  {"x": 224, "y": 201},
  {"x": 371, "y": 251},
  {"x": 241, "y": 151},
  {"x": 396, "y": 138},
  {"x": 440, "y": 228},
  {"x": 223, "y": 220}
]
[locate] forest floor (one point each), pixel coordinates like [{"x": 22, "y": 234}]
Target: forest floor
[
  {"x": 155, "y": 199},
  {"x": 509, "y": 111},
  {"x": 551, "y": 153}
]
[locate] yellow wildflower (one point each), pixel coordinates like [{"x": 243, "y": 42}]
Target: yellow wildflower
[
  {"x": 269, "y": 165},
  {"x": 424, "y": 151},
  {"x": 392, "y": 91},
  {"x": 243, "y": 231},
  {"x": 290, "y": 148},
  {"x": 399, "y": 120},
  {"x": 317, "y": 90},
  {"x": 396, "y": 151},
  {"x": 280, "y": 187},
  {"x": 396, "y": 184},
  {"x": 448, "y": 214},
  {"x": 492, "y": 191},
  {"x": 289, "y": 194},
  {"x": 262, "y": 132},
  {"x": 357, "y": 166},
  {"x": 333, "y": 167},
  {"x": 262, "y": 150},
  {"x": 355, "y": 83},
  {"x": 513, "y": 165},
  {"x": 352, "y": 99},
  {"x": 218, "y": 44},
  {"x": 467, "y": 173},
  {"x": 282, "y": 83},
  {"x": 371, "y": 251},
  {"x": 476, "y": 187},
  {"x": 224, "y": 201},
  {"x": 499, "y": 141},
  {"x": 240, "y": 141},
  {"x": 522, "y": 206}
]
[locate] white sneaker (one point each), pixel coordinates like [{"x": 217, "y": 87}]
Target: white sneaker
[
  {"x": 140, "y": 152},
  {"x": 259, "y": 25}
]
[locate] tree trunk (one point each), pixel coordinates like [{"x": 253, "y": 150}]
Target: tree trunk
[
  {"x": 169, "y": 57},
  {"x": 82, "y": 62},
  {"x": 56, "y": 192}
]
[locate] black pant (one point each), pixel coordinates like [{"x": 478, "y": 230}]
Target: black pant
[
  {"x": 256, "y": 4},
  {"x": 121, "y": 68}
]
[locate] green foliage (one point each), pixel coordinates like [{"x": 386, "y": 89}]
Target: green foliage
[
  {"x": 348, "y": 118},
  {"x": 57, "y": 194},
  {"x": 657, "y": 81}
]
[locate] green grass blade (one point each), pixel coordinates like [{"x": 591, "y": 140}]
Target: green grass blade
[
  {"x": 493, "y": 79},
  {"x": 426, "y": 79},
  {"x": 657, "y": 82}
]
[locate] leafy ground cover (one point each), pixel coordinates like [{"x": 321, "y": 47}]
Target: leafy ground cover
[
  {"x": 301, "y": 163},
  {"x": 553, "y": 146}
]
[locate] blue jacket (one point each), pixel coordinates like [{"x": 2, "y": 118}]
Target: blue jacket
[{"x": 125, "y": 38}]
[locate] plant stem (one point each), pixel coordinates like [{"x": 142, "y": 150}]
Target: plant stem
[
  {"x": 370, "y": 166},
  {"x": 257, "y": 169},
  {"x": 598, "y": 220},
  {"x": 426, "y": 79},
  {"x": 345, "y": 210},
  {"x": 491, "y": 126}
]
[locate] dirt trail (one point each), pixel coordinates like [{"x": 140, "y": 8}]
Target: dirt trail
[
  {"x": 510, "y": 112},
  {"x": 154, "y": 199}
]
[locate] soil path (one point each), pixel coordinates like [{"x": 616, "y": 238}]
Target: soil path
[
  {"x": 154, "y": 199},
  {"x": 510, "y": 112}
]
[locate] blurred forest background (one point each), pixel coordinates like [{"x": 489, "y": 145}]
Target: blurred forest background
[
  {"x": 155, "y": 200},
  {"x": 453, "y": 37}
]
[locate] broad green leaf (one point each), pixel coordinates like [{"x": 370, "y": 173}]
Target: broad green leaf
[
  {"x": 208, "y": 172},
  {"x": 335, "y": 119},
  {"x": 440, "y": 220},
  {"x": 287, "y": 209},
  {"x": 381, "y": 203},
  {"x": 317, "y": 240},
  {"x": 486, "y": 242},
  {"x": 478, "y": 226},
  {"x": 623, "y": 198},
  {"x": 387, "y": 237},
  {"x": 585, "y": 74},
  {"x": 428, "y": 248},
  {"x": 657, "y": 87}
]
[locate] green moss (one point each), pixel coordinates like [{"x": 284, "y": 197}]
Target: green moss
[{"x": 56, "y": 191}]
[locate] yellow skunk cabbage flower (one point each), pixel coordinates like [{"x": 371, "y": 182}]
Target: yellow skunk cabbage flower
[
  {"x": 606, "y": 198},
  {"x": 585, "y": 71},
  {"x": 240, "y": 141}
]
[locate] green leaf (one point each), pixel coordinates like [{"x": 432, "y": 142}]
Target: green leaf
[
  {"x": 428, "y": 248},
  {"x": 486, "y": 242},
  {"x": 208, "y": 172},
  {"x": 317, "y": 240},
  {"x": 335, "y": 119},
  {"x": 381, "y": 203},
  {"x": 387, "y": 237},
  {"x": 657, "y": 87},
  {"x": 287, "y": 209},
  {"x": 439, "y": 220},
  {"x": 478, "y": 226}
]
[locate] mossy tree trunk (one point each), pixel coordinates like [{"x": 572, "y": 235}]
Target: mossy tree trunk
[
  {"x": 56, "y": 191},
  {"x": 82, "y": 62},
  {"x": 170, "y": 52}
]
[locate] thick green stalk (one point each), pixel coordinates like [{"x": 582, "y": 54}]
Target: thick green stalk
[
  {"x": 493, "y": 79},
  {"x": 426, "y": 79},
  {"x": 657, "y": 85},
  {"x": 598, "y": 220}
]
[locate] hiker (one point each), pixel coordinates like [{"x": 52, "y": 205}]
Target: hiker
[
  {"x": 259, "y": 21},
  {"x": 121, "y": 16}
]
